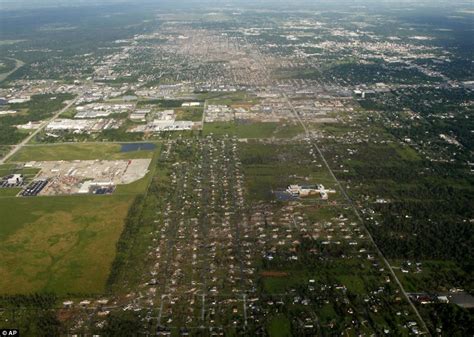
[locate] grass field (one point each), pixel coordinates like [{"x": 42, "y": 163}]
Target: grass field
[
  {"x": 228, "y": 98},
  {"x": 271, "y": 167},
  {"x": 86, "y": 151},
  {"x": 279, "y": 326},
  {"x": 9, "y": 192},
  {"x": 189, "y": 114},
  {"x": 4, "y": 150},
  {"x": 59, "y": 244},
  {"x": 7, "y": 169},
  {"x": 253, "y": 130},
  {"x": 432, "y": 276}
]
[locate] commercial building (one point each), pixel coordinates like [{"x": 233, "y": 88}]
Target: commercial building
[
  {"x": 308, "y": 190},
  {"x": 16, "y": 179}
]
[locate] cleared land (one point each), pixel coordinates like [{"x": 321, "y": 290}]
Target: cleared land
[{"x": 271, "y": 167}]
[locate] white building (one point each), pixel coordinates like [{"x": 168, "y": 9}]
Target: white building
[
  {"x": 8, "y": 112},
  {"x": 16, "y": 179},
  {"x": 22, "y": 99},
  {"x": 305, "y": 191},
  {"x": 92, "y": 114},
  {"x": 68, "y": 124},
  {"x": 191, "y": 104}
]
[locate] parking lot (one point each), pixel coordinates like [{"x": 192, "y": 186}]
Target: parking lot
[{"x": 34, "y": 188}]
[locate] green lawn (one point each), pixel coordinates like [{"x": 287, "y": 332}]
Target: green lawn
[{"x": 81, "y": 151}]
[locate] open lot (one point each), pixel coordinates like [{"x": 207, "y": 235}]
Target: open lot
[
  {"x": 272, "y": 167},
  {"x": 65, "y": 245}
]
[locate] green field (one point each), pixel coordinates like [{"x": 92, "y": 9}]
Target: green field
[
  {"x": 253, "y": 130},
  {"x": 228, "y": 98},
  {"x": 270, "y": 167},
  {"x": 430, "y": 276},
  {"x": 7, "y": 169},
  {"x": 189, "y": 114},
  {"x": 9, "y": 192},
  {"x": 4, "y": 150},
  {"x": 86, "y": 151},
  {"x": 60, "y": 244},
  {"x": 279, "y": 326}
]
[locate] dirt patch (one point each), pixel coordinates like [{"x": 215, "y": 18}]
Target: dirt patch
[{"x": 65, "y": 315}]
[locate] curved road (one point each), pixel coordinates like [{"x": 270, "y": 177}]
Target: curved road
[{"x": 18, "y": 65}]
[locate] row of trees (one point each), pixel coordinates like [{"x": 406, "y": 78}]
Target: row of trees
[
  {"x": 35, "y": 315},
  {"x": 126, "y": 241}
]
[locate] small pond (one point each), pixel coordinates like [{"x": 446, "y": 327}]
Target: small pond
[{"x": 129, "y": 147}]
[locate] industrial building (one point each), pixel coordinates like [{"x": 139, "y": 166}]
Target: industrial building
[
  {"x": 140, "y": 115},
  {"x": 165, "y": 121},
  {"x": 190, "y": 104},
  {"x": 309, "y": 190},
  {"x": 16, "y": 179},
  {"x": 83, "y": 125},
  {"x": 87, "y": 176},
  {"x": 13, "y": 180}
]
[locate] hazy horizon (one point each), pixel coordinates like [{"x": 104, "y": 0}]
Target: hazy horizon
[{"x": 25, "y": 4}]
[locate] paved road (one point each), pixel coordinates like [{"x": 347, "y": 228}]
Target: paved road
[
  {"x": 17, "y": 147},
  {"x": 356, "y": 211}
]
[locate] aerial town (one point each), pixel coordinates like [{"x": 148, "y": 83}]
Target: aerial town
[{"x": 250, "y": 170}]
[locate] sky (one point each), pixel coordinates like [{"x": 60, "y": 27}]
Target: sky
[{"x": 16, "y": 4}]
